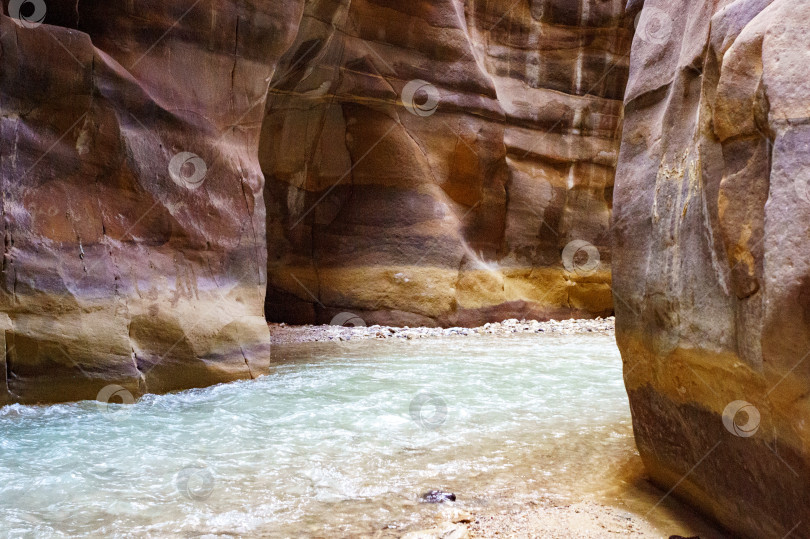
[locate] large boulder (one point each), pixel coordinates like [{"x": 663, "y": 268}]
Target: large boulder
[
  {"x": 444, "y": 162},
  {"x": 711, "y": 266},
  {"x": 133, "y": 216}
]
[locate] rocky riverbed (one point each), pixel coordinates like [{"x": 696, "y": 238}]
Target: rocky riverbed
[{"x": 287, "y": 334}]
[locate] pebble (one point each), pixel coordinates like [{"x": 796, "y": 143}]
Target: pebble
[
  {"x": 456, "y": 515},
  {"x": 283, "y": 334}
]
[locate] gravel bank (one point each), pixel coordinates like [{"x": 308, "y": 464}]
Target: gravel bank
[{"x": 285, "y": 334}]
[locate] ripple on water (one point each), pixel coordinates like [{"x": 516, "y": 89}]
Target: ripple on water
[{"x": 330, "y": 440}]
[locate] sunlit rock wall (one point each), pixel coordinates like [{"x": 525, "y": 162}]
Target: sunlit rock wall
[
  {"x": 133, "y": 216},
  {"x": 444, "y": 162},
  {"x": 711, "y": 262}
]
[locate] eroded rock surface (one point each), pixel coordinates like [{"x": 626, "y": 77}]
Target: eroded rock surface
[
  {"x": 429, "y": 162},
  {"x": 124, "y": 263},
  {"x": 711, "y": 266}
]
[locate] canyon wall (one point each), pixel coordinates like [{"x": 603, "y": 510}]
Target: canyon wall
[
  {"x": 444, "y": 162},
  {"x": 133, "y": 216},
  {"x": 711, "y": 266}
]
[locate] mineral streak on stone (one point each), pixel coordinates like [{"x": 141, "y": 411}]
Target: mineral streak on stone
[
  {"x": 115, "y": 271},
  {"x": 711, "y": 266},
  {"x": 452, "y": 207}
]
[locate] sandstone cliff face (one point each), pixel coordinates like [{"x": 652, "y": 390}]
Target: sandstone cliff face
[
  {"x": 133, "y": 216},
  {"x": 711, "y": 268},
  {"x": 444, "y": 162},
  {"x": 440, "y": 162}
]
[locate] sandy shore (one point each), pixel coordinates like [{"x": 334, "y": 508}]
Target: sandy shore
[
  {"x": 285, "y": 334},
  {"x": 580, "y": 520},
  {"x": 583, "y": 520}
]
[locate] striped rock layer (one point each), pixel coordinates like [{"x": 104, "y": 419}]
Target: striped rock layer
[
  {"x": 136, "y": 141},
  {"x": 428, "y": 163},
  {"x": 124, "y": 264},
  {"x": 711, "y": 266}
]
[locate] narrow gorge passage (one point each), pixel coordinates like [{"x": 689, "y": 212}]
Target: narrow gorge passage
[{"x": 179, "y": 178}]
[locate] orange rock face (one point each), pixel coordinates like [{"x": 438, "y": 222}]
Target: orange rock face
[
  {"x": 711, "y": 268},
  {"x": 133, "y": 216},
  {"x": 444, "y": 162}
]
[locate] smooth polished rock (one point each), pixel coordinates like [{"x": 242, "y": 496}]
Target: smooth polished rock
[
  {"x": 133, "y": 215},
  {"x": 445, "y": 162},
  {"x": 710, "y": 264}
]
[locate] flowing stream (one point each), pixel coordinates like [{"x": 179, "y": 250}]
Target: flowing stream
[{"x": 339, "y": 440}]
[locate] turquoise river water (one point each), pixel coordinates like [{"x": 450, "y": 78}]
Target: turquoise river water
[{"x": 339, "y": 440}]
